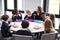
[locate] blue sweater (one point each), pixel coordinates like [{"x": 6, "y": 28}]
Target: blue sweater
[
  {"x": 16, "y": 17},
  {"x": 24, "y": 32},
  {"x": 5, "y": 30}
]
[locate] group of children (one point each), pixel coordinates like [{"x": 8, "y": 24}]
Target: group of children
[{"x": 36, "y": 15}]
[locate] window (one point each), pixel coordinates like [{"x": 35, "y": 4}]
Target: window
[
  {"x": 19, "y": 4},
  {"x": 10, "y": 4},
  {"x": 10, "y": 15},
  {"x": 54, "y": 9},
  {"x": 22, "y": 5},
  {"x": 57, "y": 23},
  {"x": 42, "y": 4},
  {"x": 54, "y": 6}
]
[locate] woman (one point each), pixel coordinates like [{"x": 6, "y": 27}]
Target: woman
[{"x": 37, "y": 14}]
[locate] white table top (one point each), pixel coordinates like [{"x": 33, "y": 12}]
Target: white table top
[{"x": 33, "y": 26}]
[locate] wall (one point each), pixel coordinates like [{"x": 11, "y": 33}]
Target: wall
[
  {"x": 1, "y": 10},
  {"x": 1, "y": 7},
  {"x": 31, "y": 4}
]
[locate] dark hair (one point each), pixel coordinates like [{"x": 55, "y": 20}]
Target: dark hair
[
  {"x": 5, "y": 17},
  {"x": 16, "y": 10},
  {"x": 25, "y": 24},
  {"x": 13, "y": 12},
  {"x": 47, "y": 14},
  {"x": 42, "y": 13}
]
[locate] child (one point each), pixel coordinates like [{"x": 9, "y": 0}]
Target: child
[
  {"x": 13, "y": 15},
  {"x": 28, "y": 16},
  {"x": 5, "y": 27},
  {"x": 43, "y": 16},
  {"x": 48, "y": 26},
  {"x": 17, "y": 16},
  {"x": 24, "y": 30},
  {"x": 52, "y": 17}
]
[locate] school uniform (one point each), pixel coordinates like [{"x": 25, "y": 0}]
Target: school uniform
[
  {"x": 28, "y": 17},
  {"x": 42, "y": 19},
  {"x": 24, "y": 32},
  {"x": 19, "y": 17},
  {"x": 5, "y": 29}
]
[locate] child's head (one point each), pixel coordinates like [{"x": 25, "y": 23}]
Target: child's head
[
  {"x": 25, "y": 24},
  {"x": 16, "y": 11},
  {"x": 13, "y": 12},
  {"x": 52, "y": 17},
  {"x": 48, "y": 25},
  {"x": 28, "y": 12},
  {"x": 43, "y": 15},
  {"x": 5, "y": 17}
]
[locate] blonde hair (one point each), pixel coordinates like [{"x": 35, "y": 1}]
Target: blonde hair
[
  {"x": 48, "y": 25},
  {"x": 52, "y": 17},
  {"x": 28, "y": 11}
]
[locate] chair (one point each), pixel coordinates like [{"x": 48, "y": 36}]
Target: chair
[
  {"x": 49, "y": 36},
  {"x": 21, "y": 37},
  {"x": 58, "y": 36},
  {"x": 0, "y": 34},
  {"x": 4, "y": 38}
]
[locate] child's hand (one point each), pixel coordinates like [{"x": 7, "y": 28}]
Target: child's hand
[
  {"x": 17, "y": 20},
  {"x": 34, "y": 14},
  {"x": 26, "y": 18}
]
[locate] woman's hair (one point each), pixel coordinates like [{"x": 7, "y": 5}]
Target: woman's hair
[
  {"x": 5, "y": 17},
  {"x": 48, "y": 25},
  {"x": 39, "y": 9}
]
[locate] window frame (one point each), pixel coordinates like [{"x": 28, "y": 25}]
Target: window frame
[
  {"x": 46, "y": 7},
  {"x": 15, "y": 6},
  {"x": 5, "y": 4}
]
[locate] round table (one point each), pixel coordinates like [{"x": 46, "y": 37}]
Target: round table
[{"x": 34, "y": 27}]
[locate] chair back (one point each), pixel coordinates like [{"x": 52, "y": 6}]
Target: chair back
[
  {"x": 49, "y": 36},
  {"x": 21, "y": 37},
  {"x": 0, "y": 33}
]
